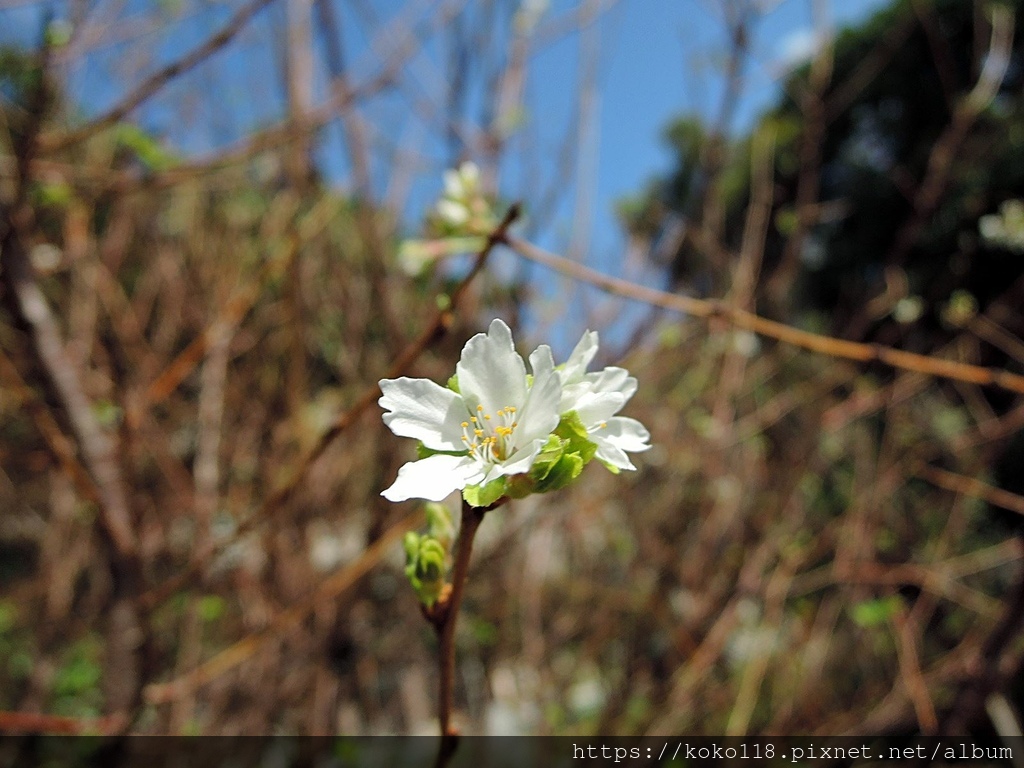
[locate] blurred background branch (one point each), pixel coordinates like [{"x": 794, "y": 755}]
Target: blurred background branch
[{"x": 220, "y": 228}]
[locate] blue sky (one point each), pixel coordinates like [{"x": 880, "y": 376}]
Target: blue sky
[
  {"x": 659, "y": 59},
  {"x": 664, "y": 59}
]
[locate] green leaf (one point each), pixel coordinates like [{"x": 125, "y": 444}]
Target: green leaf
[
  {"x": 211, "y": 607},
  {"x": 872, "y": 613},
  {"x": 485, "y": 495},
  {"x": 146, "y": 148},
  {"x": 56, "y": 194},
  {"x": 58, "y": 33},
  {"x": 107, "y": 413},
  {"x": 484, "y": 632},
  {"x": 8, "y": 617}
]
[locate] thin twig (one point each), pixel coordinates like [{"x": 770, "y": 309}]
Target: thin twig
[
  {"x": 331, "y": 588},
  {"x": 985, "y": 667},
  {"x": 156, "y": 81},
  {"x": 970, "y": 486},
  {"x": 32, "y": 308},
  {"x": 827, "y": 345},
  {"x": 59, "y": 444},
  {"x": 435, "y": 330},
  {"x": 471, "y": 519},
  {"x": 444, "y": 620},
  {"x": 908, "y": 658},
  {"x": 31, "y": 722}
]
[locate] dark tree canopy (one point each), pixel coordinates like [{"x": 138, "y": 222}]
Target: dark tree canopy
[{"x": 892, "y": 147}]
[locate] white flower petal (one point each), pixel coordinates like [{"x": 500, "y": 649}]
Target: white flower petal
[
  {"x": 612, "y": 379},
  {"x": 597, "y": 407},
  {"x": 452, "y": 184},
  {"x": 433, "y": 478},
  {"x": 542, "y": 361},
  {"x": 609, "y": 454},
  {"x": 452, "y": 212},
  {"x": 571, "y": 395},
  {"x": 626, "y": 434},
  {"x": 580, "y": 358},
  {"x": 425, "y": 411},
  {"x": 520, "y": 461},
  {"x": 469, "y": 175},
  {"x": 491, "y": 373},
  {"x": 539, "y": 415}
]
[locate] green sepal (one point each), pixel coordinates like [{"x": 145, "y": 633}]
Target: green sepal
[
  {"x": 547, "y": 458},
  {"x": 570, "y": 425},
  {"x": 564, "y": 471},
  {"x": 453, "y": 383},
  {"x": 485, "y": 495},
  {"x": 564, "y": 455},
  {"x": 519, "y": 487},
  {"x": 422, "y": 452},
  {"x": 611, "y": 467},
  {"x": 572, "y": 429}
]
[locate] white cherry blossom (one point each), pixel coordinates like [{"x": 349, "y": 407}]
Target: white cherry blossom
[
  {"x": 493, "y": 427},
  {"x": 596, "y": 398}
]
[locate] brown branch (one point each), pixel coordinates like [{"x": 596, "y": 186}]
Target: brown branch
[
  {"x": 331, "y": 588},
  {"x": 156, "y": 81},
  {"x": 471, "y": 519},
  {"x": 870, "y": 67},
  {"x": 285, "y": 132},
  {"x": 32, "y": 310},
  {"x": 707, "y": 189},
  {"x": 59, "y": 444},
  {"x": 808, "y": 187},
  {"x": 970, "y": 486},
  {"x": 939, "y": 169},
  {"x": 357, "y": 147},
  {"x": 924, "y": 10},
  {"x": 122, "y": 666},
  {"x": 827, "y": 345},
  {"x": 985, "y": 666},
  {"x": 444, "y": 618},
  {"x": 435, "y": 330},
  {"x": 907, "y": 639},
  {"x": 31, "y": 722}
]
